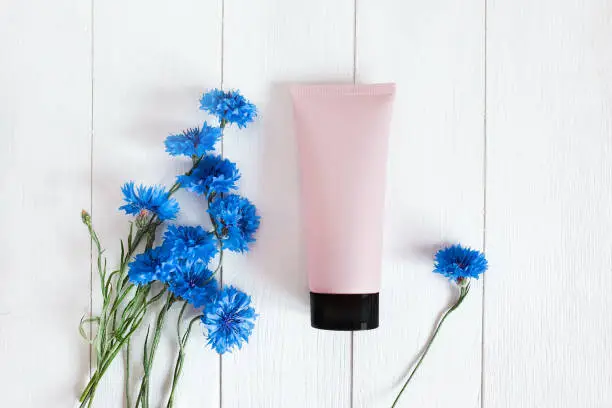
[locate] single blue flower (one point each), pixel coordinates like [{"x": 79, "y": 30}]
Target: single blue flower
[
  {"x": 149, "y": 266},
  {"x": 193, "y": 282},
  {"x": 230, "y": 107},
  {"x": 193, "y": 142},
  {"x": 154, "y": 199},
  {"x": 190, "y": 243},
  {"x": 229, "y": 319},
  {"x": 236, "y": 220},
  {"x": 213, "y": 174},
  {"x": 458, "y": 263}
]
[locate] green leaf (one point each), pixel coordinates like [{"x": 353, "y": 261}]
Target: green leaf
[
  {"x": 144, "y": 354},
  {"x": 84, "y": 321},
  {"x": 122, "y": 251}
]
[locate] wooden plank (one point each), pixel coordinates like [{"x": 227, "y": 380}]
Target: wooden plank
[
  {"x": 549, "y": 199},
  {"x": 434, "y": 51},
  {"x": 45, "y": 106},
  {"x": 269, "y": 43},
  {"x": 153, "y": 59}
]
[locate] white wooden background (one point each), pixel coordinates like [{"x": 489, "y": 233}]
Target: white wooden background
[{"x": 501, "y": 139}]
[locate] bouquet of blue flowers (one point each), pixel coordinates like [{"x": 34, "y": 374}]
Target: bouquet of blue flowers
[{"x": 182, "y": 269}]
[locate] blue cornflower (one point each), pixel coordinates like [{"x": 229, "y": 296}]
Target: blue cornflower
[
  {"x": 194, "y": 141},
  {"x": 213, "y": 174},
  {"x": 229, "y": 320},
  {"x": 154, "y": 199},
  {"x": 191, "y": 243},
  {"x": 230, "y": 107},
  {"x": 457, "y": 263},
  {"x": 236, "y": 220},
  {"x": 193, "y": 282},
  {"x": 149, "y": 266}
]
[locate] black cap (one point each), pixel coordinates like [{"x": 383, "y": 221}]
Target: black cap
[{"x": 344, "y": 311}]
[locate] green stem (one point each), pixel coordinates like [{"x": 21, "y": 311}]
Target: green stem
[
  {"x": 93, "y": 393},
  {"x": 220, "y": 264},
  {"x": 128, "y": 327},
  {"x": 217, "y": 234},
  {"x": 127, "y": 374},
  {"x": 464, "y": 291},
  {"x": 180, "y": 343},
  {"x": 101, "y": 343},
  {"x": 95, "y": 379},
  {"x": 151, "y": 238},
  {"x": 143, "y": 395},
  {"x": 178, "y": 322},
  {"x": 138, "y": 302},
  {"x": 178, "y": 368},
  {"x": 123, "y": 288},
  {"x": 177, "y": 185}
]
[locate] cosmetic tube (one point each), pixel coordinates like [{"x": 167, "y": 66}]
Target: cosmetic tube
[{"x": 342, "y": 136}]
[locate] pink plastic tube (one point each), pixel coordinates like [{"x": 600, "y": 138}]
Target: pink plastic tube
[{"x": 342, "y": 133}]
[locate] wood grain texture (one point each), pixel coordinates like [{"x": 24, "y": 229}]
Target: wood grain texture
[
  {"x": 70, "y": 140},
  {"x": 45, "y": 103},
  {"x": 434, "y": 51},
  {"x": 269, "y": 43},
  {"x": 549, "y": 205},
  {"x": 152, "y": 60}
]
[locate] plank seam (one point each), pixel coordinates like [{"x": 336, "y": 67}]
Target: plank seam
[
  {"x": 222, "y": 62},
  {"x": 484, "y": 204},
  {"x": 91, "y": 156},
  {"x": 352, "y": 342}
]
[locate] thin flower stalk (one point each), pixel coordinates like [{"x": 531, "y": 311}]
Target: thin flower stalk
[
  {"x": 178, "y": 367},
  {"x": 143, "y": 395},
  {"x": 463, "y": 293}
]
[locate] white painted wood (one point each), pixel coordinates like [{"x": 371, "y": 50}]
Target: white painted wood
[
  {"x": 45, "y": 104},
  {"x": 152, "y": 61},
  {"x": 267, "y": 45},
  {"x": 434, "y": 51},
  {"x": 549, "y": 193},
  {"x": 549, "y": 205}
]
